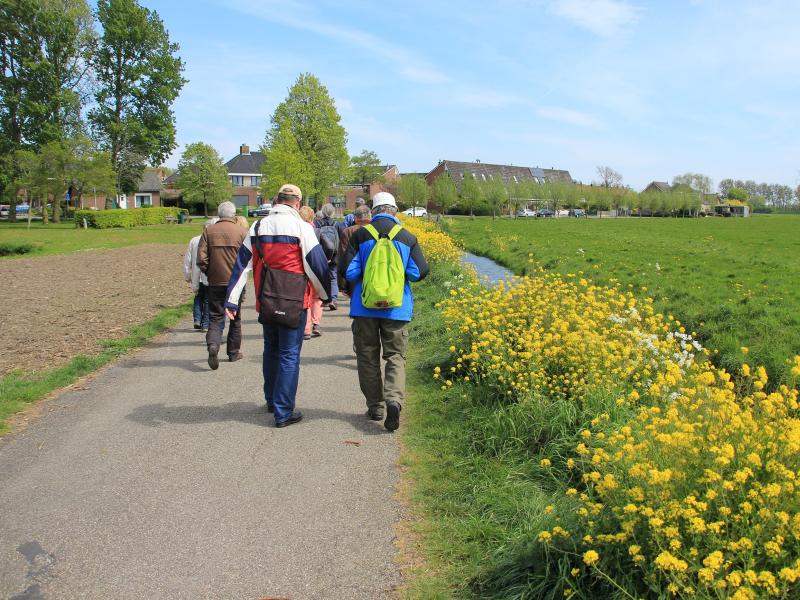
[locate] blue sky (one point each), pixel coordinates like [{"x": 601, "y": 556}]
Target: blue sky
[{"x": 652, "y": 89}]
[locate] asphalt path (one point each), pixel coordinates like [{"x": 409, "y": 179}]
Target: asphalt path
[{"x": 160, "y": 478}]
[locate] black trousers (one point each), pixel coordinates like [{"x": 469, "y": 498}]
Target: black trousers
[{"x": 216, "y": 309}]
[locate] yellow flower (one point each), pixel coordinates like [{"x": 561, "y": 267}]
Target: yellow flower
[
  {"x": 545, "y": 462},
  {"x": 590, "y": 557}
]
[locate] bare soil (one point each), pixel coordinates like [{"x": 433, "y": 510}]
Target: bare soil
[{"x": 55, "y": 307}]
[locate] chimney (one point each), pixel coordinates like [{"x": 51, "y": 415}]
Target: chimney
[{"x": 244, "y": 149}]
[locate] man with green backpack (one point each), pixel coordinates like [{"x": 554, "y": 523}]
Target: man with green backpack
[{"x": 382, "y": 258}]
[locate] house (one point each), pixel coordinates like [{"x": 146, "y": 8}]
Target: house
[
  {"x": 346, "y": 199},
  {"x": 732, "y": 208},
  {"x": 244, "y": 169},
  {"x": 148, "y": 193},
  {"x": 508, "y": 174},
  {"x": 657, "y": 186}
]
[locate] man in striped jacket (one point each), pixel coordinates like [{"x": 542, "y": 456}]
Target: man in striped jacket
[{"x": 287, "y": 244}]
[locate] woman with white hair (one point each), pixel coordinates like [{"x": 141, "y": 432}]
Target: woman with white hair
[{"x": 329, "y": 240}]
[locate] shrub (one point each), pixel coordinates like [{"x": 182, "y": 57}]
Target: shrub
[
  {"x": 127, "y": 217},
  {"x": 11, "y": 248}
]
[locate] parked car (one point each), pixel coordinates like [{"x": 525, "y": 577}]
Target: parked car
[
  {"x": 416, "y": 211},
  {"x": 22, "y": 209},
  {"x": 526, "y": 212},
  {"x": 4, "y": 210},
  {"x": 545, "y": 212},
  {"x": 261, "y": 211},
  {"x": 577, "y": 212}
]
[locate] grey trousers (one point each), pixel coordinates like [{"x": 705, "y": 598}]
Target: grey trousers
[{"x": 373, "y": 339}]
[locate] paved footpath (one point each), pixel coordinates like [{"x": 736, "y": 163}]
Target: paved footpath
[{"x": 164, "y": 479}]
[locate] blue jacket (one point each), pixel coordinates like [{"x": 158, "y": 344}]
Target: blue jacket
[{"x": 358, "y": 251}]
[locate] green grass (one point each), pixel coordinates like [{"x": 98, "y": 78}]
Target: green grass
[
  {"x": 19, "y": 389},
  {"x": 64, "y": 238},
  {"x": 736, "y": 282}
]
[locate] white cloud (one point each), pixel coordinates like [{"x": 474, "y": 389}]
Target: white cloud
[
  {"x": 484, "y": 99},
  {"x": 605, "y": 18},
  {"x": 569, "y": 116}
]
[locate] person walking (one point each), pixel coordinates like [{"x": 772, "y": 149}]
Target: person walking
[
  {"x": 329, "y": 239},
  {"x": 280, "y": 246},
  {"x": 350, "y": 219},
  {"x": 197, "y": 279},
  {"x": 362, "y": 215},
  {"x": 314, "y": 316},
  {"x": 216, "y": 255},
  {"x": 382, "y": 331}
]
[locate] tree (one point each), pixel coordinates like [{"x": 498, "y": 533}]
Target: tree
[
  {"x": 609, "y": 177},
  {"x": 736, "y": 193},
  {"x": 365, "y": 168},
  {"x": 202, "y": 176},
  {"x": 413, "y": 191},
  {"x": 312, "y": 117},
  {"x": 139, "y": 77},
  {"x": 88, "y": 169},
  {"x": 495, "y": 193},
  {"x": 444, "y": 192},
  {"x": 470, "y": 193},
  {"x": 696, "y": 181},
  {"x": 283, "y": 163}
]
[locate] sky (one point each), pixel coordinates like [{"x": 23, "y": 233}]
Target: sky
[{"x": 652, "y": 89}]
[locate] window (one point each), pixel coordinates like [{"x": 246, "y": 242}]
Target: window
[
  {"x": 255, "y": 181},
  {"x": 142, "y": 200},
  {"x": 237, "y": 180}
]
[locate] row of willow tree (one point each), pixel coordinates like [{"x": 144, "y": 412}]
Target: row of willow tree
[
  {"x": 494, "y": 197},
  {"x": 85, "y": 98}
]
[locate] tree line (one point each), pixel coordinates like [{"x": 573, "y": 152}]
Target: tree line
[{"x": 85, "y": 98}]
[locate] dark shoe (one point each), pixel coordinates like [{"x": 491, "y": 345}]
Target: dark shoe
[
  {"x": 375, "y": 415},
  {"x": 332, "y": 306},
  {"x": 307, "y": 336},
  {"x": 293, "y": 418},
  {"x": 270, "y": 408},
  {"x": 213, "y": 359},
  {"x": 235, "y": 357},
  {"x": 392, "y": 421},
  {"x": 315, "y": 331},
  {"x": 196, "y": 325}
]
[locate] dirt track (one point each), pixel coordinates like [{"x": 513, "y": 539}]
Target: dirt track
[{"x": 55, "y": 307}]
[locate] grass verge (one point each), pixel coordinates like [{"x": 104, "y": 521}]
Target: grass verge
[{"x": 19, "y": 389}]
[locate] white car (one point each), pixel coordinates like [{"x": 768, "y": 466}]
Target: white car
[
  {"x": 526, "y": 212},
  {"x": 416, "y": 211}
]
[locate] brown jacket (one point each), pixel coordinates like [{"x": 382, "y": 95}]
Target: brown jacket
[
  {"x": 218, "y": 248},
  {"x": 344, "y": 240}
]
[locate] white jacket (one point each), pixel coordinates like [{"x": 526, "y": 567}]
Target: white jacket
[{"x": 191, "y": 272}]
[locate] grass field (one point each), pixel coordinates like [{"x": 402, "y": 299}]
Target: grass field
[
  {"x": 64, "y": 237},
  {"x": 736, "y": 282}
]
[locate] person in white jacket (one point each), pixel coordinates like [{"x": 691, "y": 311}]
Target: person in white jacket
[{"x": 197, "y": 279}]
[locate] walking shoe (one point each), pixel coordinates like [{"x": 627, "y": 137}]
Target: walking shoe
[
  {"x": 392, "y": 421},
  {"x": 315, "y": 331},
  {"x": 196, "y": 325},
  {"x": 332, "y": 306},
  {"x": 204, "y": 329},
  {"x": 375, "y": 415},
  {"x": 306, "y": 336},
  {"x": 213, "y": 359},
  {"x": 235, "y": 357},
  {"x": 293, "y": 418}
]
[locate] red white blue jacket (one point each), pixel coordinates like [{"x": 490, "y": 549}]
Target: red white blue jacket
[{"x": 289, "y": 244}]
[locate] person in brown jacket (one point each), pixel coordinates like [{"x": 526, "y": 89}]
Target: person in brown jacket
[
  {"x": 216, "y": 255},
  {"x": 362, "y": 215}
]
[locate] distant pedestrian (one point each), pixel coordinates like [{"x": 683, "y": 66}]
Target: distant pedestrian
[
  {"x": 362, "y": 216},
  {"x": 314, "y": 315},
  {"x": 329, "y": 240},
  {"x": 242, "y": 222},
  {"x": 216, "y": 255},
  {"x": 284, "y": 255},
  {"x": 350, "y": 220},
  {"x": 197, "y": 279},
  {"x": 382, "y": 331}
]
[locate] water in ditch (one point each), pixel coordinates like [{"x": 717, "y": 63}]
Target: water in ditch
[{"x": 488, "y": 270}]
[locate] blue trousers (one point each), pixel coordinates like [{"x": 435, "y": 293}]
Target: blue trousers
[
  {"x": 201, "y": 306},
  {"x": 281, "y": 366}
]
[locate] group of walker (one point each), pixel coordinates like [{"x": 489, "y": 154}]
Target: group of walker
[{"x": 299, "y": 269}]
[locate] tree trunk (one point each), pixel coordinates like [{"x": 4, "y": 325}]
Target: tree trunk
[
  {"x": 44, "y": 210},
  {"x": 12, "y": 210},
  {"x": 56, "y": 210}
]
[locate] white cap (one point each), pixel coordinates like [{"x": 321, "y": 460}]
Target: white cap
[{"x": 383, "y": 199}]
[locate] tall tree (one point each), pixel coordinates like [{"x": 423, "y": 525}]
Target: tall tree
[
  {"x": 139, "y": 77},
  {"x": 609, "y": 177},
  {"x": 495, "y": 193},
  {"x": 471, "y": 193},
  {"x": 444, "y": 193},
  {"x": 283, "y": 163},
  {"x": 88, "y": 169},
  {"x": 413, "y": 191},
  {"x": 202, "y": 176},
  {"x": 365, "y": 168},
  {"x": 697, "y": 181},
  {"x": 313, "y": 119}
]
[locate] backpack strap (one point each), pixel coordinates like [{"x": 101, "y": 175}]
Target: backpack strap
[
  {"x": 394, "y": 231},
  {"x": 374, "y": 232}
]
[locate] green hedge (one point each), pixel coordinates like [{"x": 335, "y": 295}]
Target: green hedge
[
  {"x": 11, "y": 248},
  {"x": 126, "y": 217}
]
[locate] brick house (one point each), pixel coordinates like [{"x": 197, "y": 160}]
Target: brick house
[
  {"x": 244, "y": 169},
  {"x": 508, "y": 174},
  {"x": 346, "y": 200}
]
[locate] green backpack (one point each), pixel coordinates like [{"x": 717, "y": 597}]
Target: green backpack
[{"x": 384, "y": 274}]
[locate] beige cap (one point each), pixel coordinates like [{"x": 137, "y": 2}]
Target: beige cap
[{"x": 287, "y": 189}]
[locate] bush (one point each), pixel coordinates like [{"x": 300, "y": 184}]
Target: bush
[
  {"x": 11, "y": 248},
  {"x": 127, "y": 217}
]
